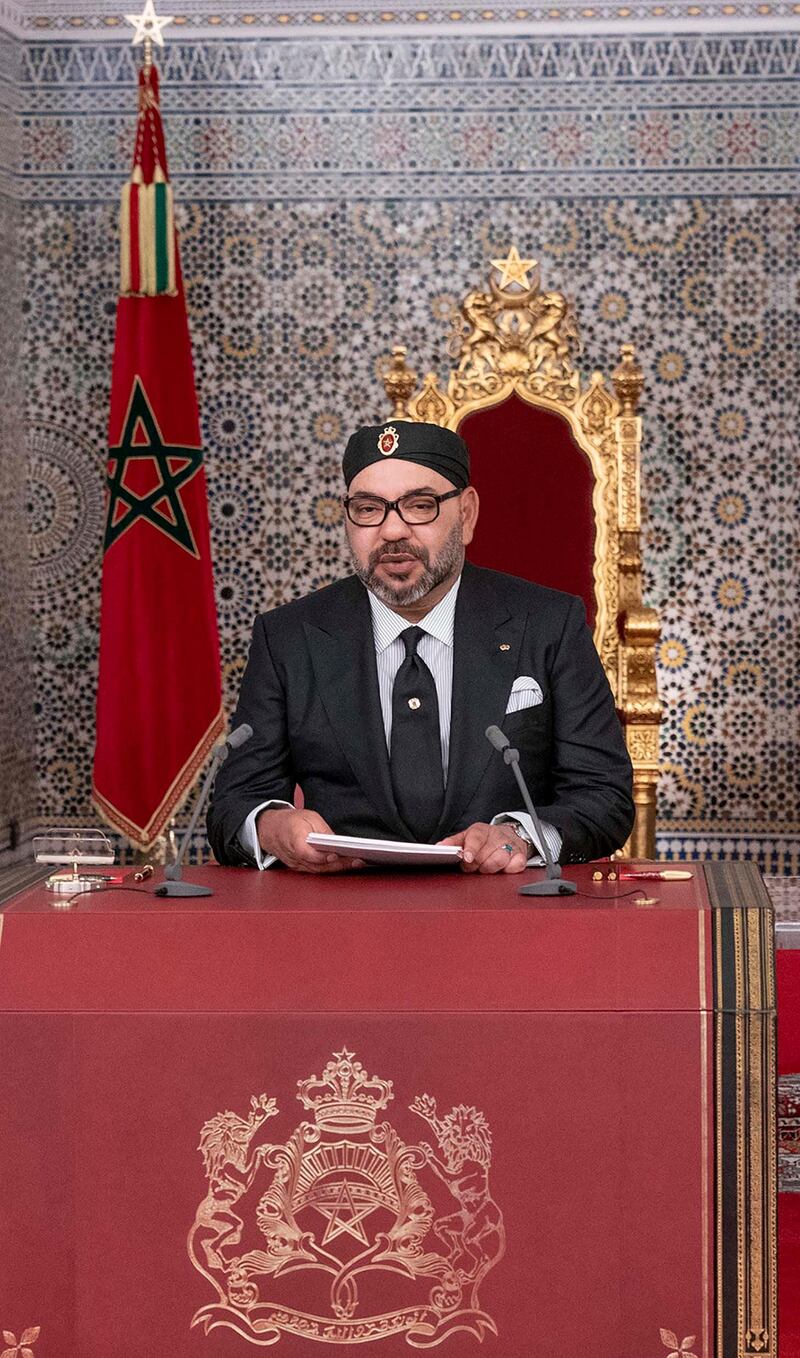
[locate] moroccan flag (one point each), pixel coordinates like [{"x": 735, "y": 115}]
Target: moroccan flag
[{"x": 158, "y": 698}]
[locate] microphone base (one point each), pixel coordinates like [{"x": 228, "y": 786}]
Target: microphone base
[
  {"x": 182, "y": 889},
  {"x": 551, "y": 886}
]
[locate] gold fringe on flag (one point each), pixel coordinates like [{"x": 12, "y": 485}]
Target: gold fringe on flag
[{"x": 147, "y": 237}]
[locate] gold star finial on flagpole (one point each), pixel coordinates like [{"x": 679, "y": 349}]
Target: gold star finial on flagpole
[
  {"x": 148, "y": 27},
  {"x": 514, "y": 269}
]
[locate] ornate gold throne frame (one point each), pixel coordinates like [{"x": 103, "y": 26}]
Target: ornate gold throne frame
[{"x": 517, "y": 340}]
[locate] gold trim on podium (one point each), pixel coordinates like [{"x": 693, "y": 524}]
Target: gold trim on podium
[{"x": 745, "y": 1041}]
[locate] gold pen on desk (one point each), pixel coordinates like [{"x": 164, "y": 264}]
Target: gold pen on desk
[{"x": 663, "y": 875}]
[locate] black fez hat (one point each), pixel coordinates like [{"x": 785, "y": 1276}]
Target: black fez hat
[{"x": 426, "y": 444}]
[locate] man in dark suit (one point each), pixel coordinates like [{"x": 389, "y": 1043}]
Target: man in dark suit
[{"x": 374, "y": 694}]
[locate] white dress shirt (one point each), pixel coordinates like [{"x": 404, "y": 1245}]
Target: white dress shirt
[{"x": 436, "y": 649}]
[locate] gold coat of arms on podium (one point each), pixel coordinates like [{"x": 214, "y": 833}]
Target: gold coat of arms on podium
[{"x": 312, "y": 1236}]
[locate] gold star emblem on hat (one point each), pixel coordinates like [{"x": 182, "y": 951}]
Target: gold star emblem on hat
[
  {"x": 388, "y": 439},
  {"x": 148, "y": 25},
  {"x": 514, "y": 269}
]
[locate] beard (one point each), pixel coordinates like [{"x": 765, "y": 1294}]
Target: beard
[{"x": 448, "y": 561}]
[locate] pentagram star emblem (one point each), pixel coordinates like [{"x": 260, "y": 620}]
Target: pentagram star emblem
[
  {"x": 145, "y": 477},
  {"x": 148, "y": 24},
  {"x": 514, "y": 269},
  {"x": 349, "y": 1224}
]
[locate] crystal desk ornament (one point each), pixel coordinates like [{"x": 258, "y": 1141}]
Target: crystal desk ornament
[{"x": 76, "y": 851}]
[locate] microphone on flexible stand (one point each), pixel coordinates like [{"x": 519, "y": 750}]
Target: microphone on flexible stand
[
  {"x": 174, "y": 885},
  {"x": 553, "y": 884}
]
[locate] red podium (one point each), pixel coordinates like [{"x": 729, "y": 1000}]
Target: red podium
[{"x": 390, "y": 1111}]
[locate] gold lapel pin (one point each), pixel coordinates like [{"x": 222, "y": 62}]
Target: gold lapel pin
[{"x": 504, "y": 646}]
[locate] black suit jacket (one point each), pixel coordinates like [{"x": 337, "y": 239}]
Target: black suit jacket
[{"x": 310, "y": 693}]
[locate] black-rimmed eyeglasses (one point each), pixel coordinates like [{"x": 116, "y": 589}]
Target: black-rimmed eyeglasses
[{"x": 419, "y": 506}]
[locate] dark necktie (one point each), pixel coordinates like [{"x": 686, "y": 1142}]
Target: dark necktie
[{"x": 416, "y": 754}]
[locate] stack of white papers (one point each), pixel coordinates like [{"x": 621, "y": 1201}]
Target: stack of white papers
[{"x": 386, "y": 851}]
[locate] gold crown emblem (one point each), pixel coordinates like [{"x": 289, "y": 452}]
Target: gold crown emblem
[{"x": 346, "y": 1098}]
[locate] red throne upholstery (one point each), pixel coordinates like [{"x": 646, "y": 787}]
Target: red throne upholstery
[{"x": 535, "y": 487}]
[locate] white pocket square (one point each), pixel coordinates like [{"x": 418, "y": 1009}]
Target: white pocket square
[{"x": 525, "y": 692}]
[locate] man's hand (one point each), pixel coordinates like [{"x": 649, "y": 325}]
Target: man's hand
[
  {"x": 484, "y": 848},
  {"x": 283, "y": 831}
]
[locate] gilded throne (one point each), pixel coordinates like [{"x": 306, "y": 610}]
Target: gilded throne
[{"x": 556, "y": 463}]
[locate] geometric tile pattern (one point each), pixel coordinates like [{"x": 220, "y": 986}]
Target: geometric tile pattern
[
  {"x": 17, "y": 779},
  {"x": 378, "y": 118},
  {"x": 206, "y": 18},
  {"x": 315, "y": 235},
  {"x": 785, "y": 896}
]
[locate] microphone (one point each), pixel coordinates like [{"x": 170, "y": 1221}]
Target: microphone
[
  {"x": 236, "y": 738},
  {"x": 553, "y": 884},
  {"x": 174, "y": 885}
]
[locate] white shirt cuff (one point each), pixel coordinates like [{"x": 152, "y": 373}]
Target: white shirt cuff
[
  {"x": 248, "y": 835},
  {"x": 550, "y": 832}
]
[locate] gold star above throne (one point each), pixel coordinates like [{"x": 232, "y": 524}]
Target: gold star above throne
[{"x": 513, "y": 269}]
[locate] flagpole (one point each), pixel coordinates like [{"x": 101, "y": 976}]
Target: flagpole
[
  {"x": 166, "y": 845},
  {"x": 156, "y": 548}
]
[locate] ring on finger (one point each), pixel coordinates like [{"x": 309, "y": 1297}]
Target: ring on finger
[{"x": 509, "y": 848}]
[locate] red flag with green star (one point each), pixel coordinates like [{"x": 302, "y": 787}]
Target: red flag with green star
[{"x": 159, "y": 705}]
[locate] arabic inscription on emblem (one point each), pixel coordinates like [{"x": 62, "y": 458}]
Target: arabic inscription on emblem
[{"x": 314, "y": 1236}]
